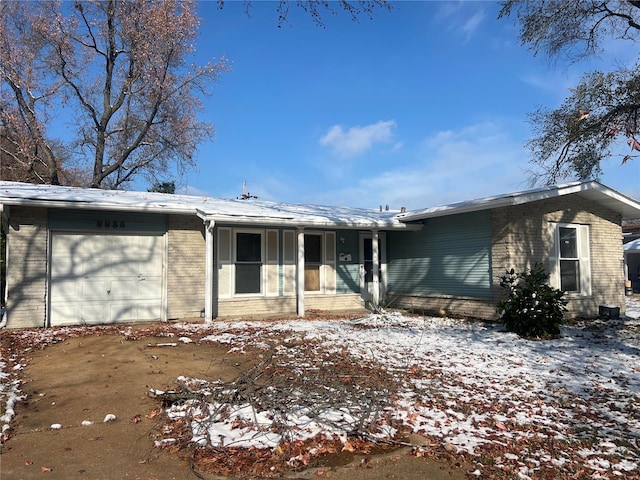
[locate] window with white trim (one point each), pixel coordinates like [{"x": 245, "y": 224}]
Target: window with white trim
[
  {"x": 570, "y": 269},
  {"x": 248, "y": 262}
]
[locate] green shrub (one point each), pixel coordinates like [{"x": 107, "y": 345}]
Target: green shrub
[{"x": 533, "y": 309}]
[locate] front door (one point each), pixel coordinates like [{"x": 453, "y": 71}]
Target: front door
[{"x": 372, "y": 288}]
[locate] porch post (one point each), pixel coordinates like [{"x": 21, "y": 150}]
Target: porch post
[
  {"x": 209, "y": 271},
  {"x": 300, "y": 273},
  {"x": 375, "y": 260}
]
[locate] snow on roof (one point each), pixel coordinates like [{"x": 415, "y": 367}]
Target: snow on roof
[
  {"x": 213, "y": 209},
  {"x": 257, "y": 212},
  {"x": 595, "y": 191}
]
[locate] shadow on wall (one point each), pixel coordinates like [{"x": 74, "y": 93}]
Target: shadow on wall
[{"x": 94, "y": 279}]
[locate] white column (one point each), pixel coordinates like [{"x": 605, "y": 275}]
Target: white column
[
  {"x": 300, "y": 273},
  {"x": 375, "y": 259},
  {"x": 209, "y": 271}
]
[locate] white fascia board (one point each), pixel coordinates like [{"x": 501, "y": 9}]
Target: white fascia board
[
  {"x": 618, "y": 202},
  {"x": 305, "y": 223},
  {"x": 98, "y": 206},
  {"x": 627, "y": 206}
]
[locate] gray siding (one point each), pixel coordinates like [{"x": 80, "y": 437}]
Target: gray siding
[
  {"x": 348, "y": 272},
  {"x": 449, "y": 256},
  {"x": 106, "y": 221}
]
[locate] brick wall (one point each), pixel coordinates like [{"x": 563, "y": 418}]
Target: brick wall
[
  {"x": 186, "y": 267},
  {"x": 264, "y": 307},
  {"x": 258, "y": 307},
  {"x": 27, "y": 267},
  {"x": 520, "y": 239},
  {"x": 445, "y": 305}
]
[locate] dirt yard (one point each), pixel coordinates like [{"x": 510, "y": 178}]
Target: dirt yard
[{"x": 84, "y": 379}]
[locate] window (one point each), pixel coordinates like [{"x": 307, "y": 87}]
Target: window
[
  {"x": 312, "y": 262},
  {"x": 569, "y": 262},
  {"x": 248, "y": 262}
]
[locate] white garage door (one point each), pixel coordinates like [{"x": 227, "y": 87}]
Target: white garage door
[{"x": 99, "y": 278}]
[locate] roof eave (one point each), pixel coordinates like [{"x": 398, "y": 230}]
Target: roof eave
[
  {"x": 96, "y": 206},
  {"x": 624, "y": 205},
  {"x": 304, "y": 223}
]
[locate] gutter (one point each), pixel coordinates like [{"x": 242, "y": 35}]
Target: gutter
[
  {"x": 590, "y": 189},
  {"x": 98, "y": 206},
  {"x": 309, "y": 223}
]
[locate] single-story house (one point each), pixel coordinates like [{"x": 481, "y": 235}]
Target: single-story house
[{"x": 88, "y": 256}]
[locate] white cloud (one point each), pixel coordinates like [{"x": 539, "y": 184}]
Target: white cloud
[
  {"x": 461, "y": 17},
  {"x": 470, "y": 26},
  {"x": 357, "y": 140},
  {"x": 451, "y": 165}
]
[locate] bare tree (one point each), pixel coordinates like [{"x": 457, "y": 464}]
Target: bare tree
[
  {"x": 601, "y": 113},
  {"x": 118, "y": 69}
]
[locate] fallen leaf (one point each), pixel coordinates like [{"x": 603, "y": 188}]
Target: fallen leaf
[
  {"x": 153, "y": 413},
  {"x": 348, "y": 447}
]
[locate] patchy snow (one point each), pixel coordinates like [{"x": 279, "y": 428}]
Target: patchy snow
[
  {"x": 535, "y": 409},
  {"x": 109, "y": 417}
]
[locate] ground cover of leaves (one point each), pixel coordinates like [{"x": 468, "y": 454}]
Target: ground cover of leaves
[{"x": 508, "y": 407}]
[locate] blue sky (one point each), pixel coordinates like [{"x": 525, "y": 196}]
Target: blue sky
[{"x": 417, "y": 107}]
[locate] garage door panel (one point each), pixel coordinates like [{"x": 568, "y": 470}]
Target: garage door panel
[
  {"x": 66, "y": 315},
  {"x": 94, "y": 289},
  {"x": 92, "y": 266},
  {"x": 101, "y": 244},
  {"x": 143, "y": 310},
  {"x": 65, "y": 265},
  {"x": 148, "y": 287},
  {"x": 67, "y": 289},
  {"x": 123, "y": 267},
  {"x": 100, "y": 278},
  {"x": 94, "y": 314},
  {"x": 123, "y": 289}
]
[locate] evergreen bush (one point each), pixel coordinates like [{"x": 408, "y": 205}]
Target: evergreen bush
[{"x": 533, "y": 309}]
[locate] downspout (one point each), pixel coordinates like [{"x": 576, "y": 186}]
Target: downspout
[
  {"x": 4, "y": 214},
  {"x": 300, "y": 273},
  {"x": 209, "y": 271}
]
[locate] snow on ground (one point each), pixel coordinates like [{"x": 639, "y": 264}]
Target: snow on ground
[{"x": 569, "y": 406}]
